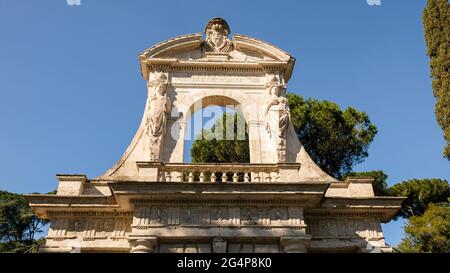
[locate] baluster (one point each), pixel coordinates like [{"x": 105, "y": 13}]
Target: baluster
[
  {"x": 161, "y": 177},
  {"x": 168, "y": 176},
  {"x": 202, "y": 177},
  {"x": 235, "y": 177},
  {"x": 246, "y": 177},
  {"x": 267, "y": 177},
  {"x": 213, "y": 176},
  {"x": 180, "y": 176},
  {"x": 224, "y": 177},
  {"x": 275, "y": 177},
  {"x": 191, "y": 176},
  {"x": 257, "y": 177}
]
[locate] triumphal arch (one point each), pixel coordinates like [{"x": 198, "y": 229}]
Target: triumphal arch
[{"x": 151, "y": 201}]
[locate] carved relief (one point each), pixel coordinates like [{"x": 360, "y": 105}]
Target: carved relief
[
  {"x": 89, "y": 229},
  {"x": 217, "y": 31},
  {"x": 279, "y": 216},
  {"x": 159, "y": 107},
  {"x": 58, "y": 228},
  {"x": 216, "y": 78},
  {"x": 219, "y": 216},
  {"x": 77, "y": 226},
  {"x": 277, "y": 116},
  {"x": 249, "y": 216},
  {"x": 120, "y": 229},
  {"x": 348, "y": 228},
  {"x": 156, "y": 216}
]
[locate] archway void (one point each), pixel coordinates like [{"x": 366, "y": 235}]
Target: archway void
[{"x": 206, "y": 116}]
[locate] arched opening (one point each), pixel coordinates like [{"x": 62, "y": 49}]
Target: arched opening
[
  {"x": 216, "y": 132},
  {"x": 212, "y": 121}
]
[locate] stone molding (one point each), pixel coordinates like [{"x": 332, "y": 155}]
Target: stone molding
[
  {"x": 293, "y": 244},
  {"x": 267, "y": 206}
]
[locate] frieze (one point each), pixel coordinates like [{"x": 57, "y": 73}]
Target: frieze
[
  {"x": 89, "y": 229},
  {"x": 218, "y": 69},
  {"x": 344, "y": 228},
  {"x": 158, "y": 216},
  {"x": 216, "y": 78},
  {"x": 265, "y": 202},
  {"x": 90, "y": 213},
  {"x": 344, "y": 214}
]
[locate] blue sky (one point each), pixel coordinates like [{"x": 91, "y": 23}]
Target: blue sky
[{"x": 72, "y": 96}]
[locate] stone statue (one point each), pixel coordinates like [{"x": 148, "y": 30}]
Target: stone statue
[
  {"x": 277, "y": 116},
  {"x": 217, "y": 31},
  {"x": 159, "y": 107}
]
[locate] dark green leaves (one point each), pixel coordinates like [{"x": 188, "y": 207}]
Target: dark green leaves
[
  {"x": 436, "y": 22},
  {"x": 336, "y": 140}
]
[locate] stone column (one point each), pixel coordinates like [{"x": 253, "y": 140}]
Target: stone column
[
  {"x": 219, "y": 245},
  {"x": 254, "y": 141},
  {"x": 294, "y": 244},
  {"x": 143, "y": 244},
  {"x": 177, "y": 154}
]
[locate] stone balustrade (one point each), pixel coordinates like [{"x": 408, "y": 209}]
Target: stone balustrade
[{"x": 218, "y": 173}]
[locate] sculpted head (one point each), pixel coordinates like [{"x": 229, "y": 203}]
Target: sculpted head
[
  {"x": 273, "y": 86},
  {"x": 160, "y": 83},
  {"x": 217, "y": 31}
]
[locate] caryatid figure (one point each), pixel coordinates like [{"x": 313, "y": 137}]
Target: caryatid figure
[
  {"x": 158, "y": 108},
  {"x": 278, "y": 116}
]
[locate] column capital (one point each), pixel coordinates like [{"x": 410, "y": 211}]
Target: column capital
[{"x": 143, "y": 244}]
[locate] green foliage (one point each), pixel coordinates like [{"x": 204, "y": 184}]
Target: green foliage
[
  {"x": 419, "y": 193},
  {"x": 436, "y": 21},
  {"x": 380, "y": 186},
  {"x": 336, "y": 140},
  {"x": 16, "y": 246},
  {"x": 18, "y": 223},
  {"x": 429, "y": 232},
  {"x": 213, "y": 146}
]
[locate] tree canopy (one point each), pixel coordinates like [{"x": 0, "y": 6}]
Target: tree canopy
[
  {"x": 213, "y": 146},
  {"x": 335, "y": 139},
  {"x": 436, "y": 22},
  {"x": 18, "y": 223},
  {"x": 419, "y": 194},
  {"x": 429, "y": 232}
]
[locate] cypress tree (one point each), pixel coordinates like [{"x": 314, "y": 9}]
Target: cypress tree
[{"x": 436, "y": 22}]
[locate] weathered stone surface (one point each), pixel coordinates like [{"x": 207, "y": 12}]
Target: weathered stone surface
[{"x": 150, "y": 201}]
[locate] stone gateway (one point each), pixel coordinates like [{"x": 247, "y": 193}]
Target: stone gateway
[{"x": 150, "y": 201}]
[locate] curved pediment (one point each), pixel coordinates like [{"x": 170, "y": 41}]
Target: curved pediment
[
  {"x": 194, "y": 50},
  {"x": 193, "y": 71}
]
